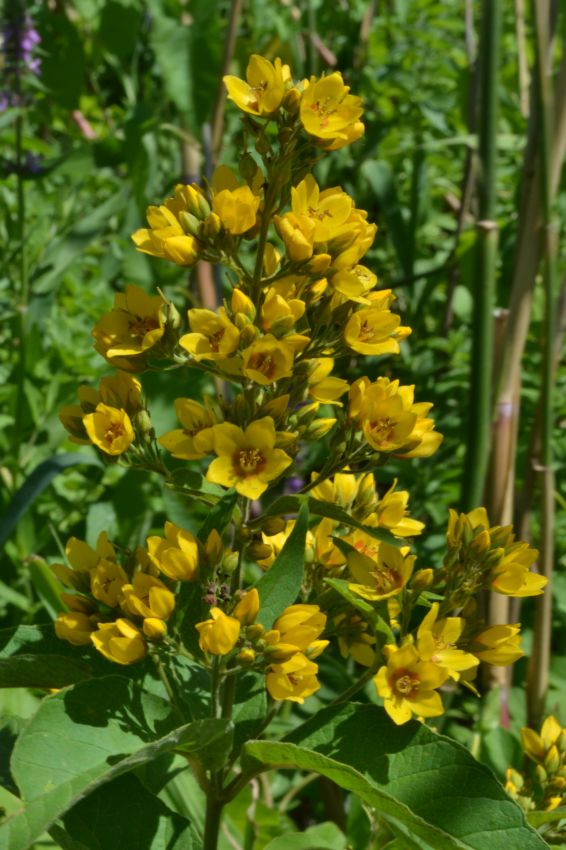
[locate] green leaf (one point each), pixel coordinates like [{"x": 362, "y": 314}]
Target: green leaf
[
  {"x": 538, "y": 818},
  {"x": 219, "y": 516},
  {"x": 63, "y": 62},
  {"x": 87, "y": 735},
  {"x": 280, "y": 585},
  {"x": 427, "y": 788},
  {"x": 324, "y": 836},
  {"x": 34, "y": 657},
  {"x": 122, "y": 815},
  {"x": 35, "y": 484},
  {"x": 379, "y": 175}
]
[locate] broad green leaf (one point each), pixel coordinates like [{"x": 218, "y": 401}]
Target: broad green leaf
[
  {"x": 219, "y": 516},
  {"x": 280, "y": 585},
  {"x": 33, "y": 656},
  {"x": 324, "y": 836},
  {"x": 250, "y": 707},
  {"x": 122, "y": 815},
  {"x": 35, "y": 484},
  {"x": 87, "y": 735},
  {"x": 427, "y": 788}
]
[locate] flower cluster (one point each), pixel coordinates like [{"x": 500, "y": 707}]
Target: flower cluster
[
  {"x": 543, "y": 787},
  {"x": 297, "y": 299}
]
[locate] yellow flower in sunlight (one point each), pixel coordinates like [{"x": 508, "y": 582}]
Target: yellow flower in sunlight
[
  {"x": 391, "y": 512},
  {"x": 133, "y": 327},
  {"x": 328, "y": 111},
  {"x": 120, "y": 642},
  {"x": 195, "y": 419},
  {"x": 537, "y": 746},
  {"x": 277, "y": 541},
  {"x": 323, "y": 387},
  {"x": 512, "y": 576},
  {"x": 235, "y": 205},
  {"x": 380, "y": 570},
  {"x": 293, "y": 679},
  {"x": 389, "y": 419},
  {"x": 352, "y": 133},
  {"x": 354, "y": 283},
  {"x": 437, "y": 642},
  {"x": 220, "y": 634},
  {"x": 279, "y": 314},
  {"x": 268, "y": 360},
  {"x": 351, "y": 244},
  {"x": 109, "y": 429},
  {"x": 147, "y": 596},
  {"x": 213, "y": 336},
  {"x": 165, "y": 237},
  {"x": 375, "y": 329},
  {"x": 74, "y": 627},
  {"x": 327, "y": 210},
  {"x": 121, "y": 391},
  {"x": 355, "y": 639},
  {"x": 176, "y": 555},
  {"x": 247, "y": 460},
  {"x": 106, "y": 582},
  {"x": 83, "y": 559},
  {"x": 262, "y": 91},
  {"x": 297, "y": 629},
  {"x": 247, "y": 608},
  {"x": 341, "y": 489},
  {"x": 498, "y": 645},
  {"x": 408, "y": 685},
  {"x": 297, "y": 233}
]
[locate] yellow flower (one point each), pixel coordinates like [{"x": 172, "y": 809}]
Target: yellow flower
[
  {"x": 195, "y": 419},
  {"x": 247, "y": 460},
  {"x": 166, "y": 236},
  {"x": 106, "y": 582},
  {"x": 322, "y": 386},
  {"x": 213, "y": 336},
  {"x": 341, "y": 489},
  {"x": 235, "y": 205},
  {"x": 247, "y": 608},
  {"x": 391, "y": 512},
  {"x": 120, "y": 642},
  {"x": 268, "y": 360},
  {"x": 154, "y": 628},
  {"x": 277, "y": 541},
  {"x": 327, "y": 210},
  {"x": 380, "y": 569},
  {"x": 537, "y": 746},
  {"x": 220, "y": 634},
  {"x": 120, "y": 391},
  {"x": 349, "y": 247},
  {"x": 408, "y": 685},
  {"x": 437, "y": 642},
  {"x": 83, "y": 559},
  {"x": 109, "y": 429},
  {"x": 498, "y": 645},
  {"x": 278, "y": 313},
  {"x": 512, "y": 576},
  {"x": 176, "y": 556},
  {"x": 297, "y": 233},
  {"x": 133, "y": 327},
  {"x": 74, "y": 627},
  {"x": 354, "y": 639},
  {"x": 298, "y": 629},
  {"x": 375, "y": 329},
  {"x": 389, "y": 419},
  {"x": 147, "y": 597},
  {"x": 328, "y": 111},
  {"x": 354, "y": 283},
  {"x": 293, "y": 679},
  {"x": 263, "y": 92}
]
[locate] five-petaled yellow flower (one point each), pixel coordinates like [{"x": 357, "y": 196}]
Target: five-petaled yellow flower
[
  {"x": 109, "y": 429},
  {"x": 262, "y": 91},
  {"x": 330, "y": 113},
  {"x": 408, "y": 684},
  {"x": 213, "y": 336},
  {"x": 247, "y": 460}
]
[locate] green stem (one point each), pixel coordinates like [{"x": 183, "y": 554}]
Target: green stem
[
  {"x": 212, "y": 821},
  {"x": 484, "y": 301},
  {"x": 23, "y": 296},
  {"x": 356, "y": 686}
]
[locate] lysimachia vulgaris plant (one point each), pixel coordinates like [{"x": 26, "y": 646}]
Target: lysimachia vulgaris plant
[{"x": 236, "y": 620}]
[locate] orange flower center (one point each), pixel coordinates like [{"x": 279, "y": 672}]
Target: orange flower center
[
  {"x": 323, "y": 111},
  {"x": 406, "y": 684},
  {"x": 249, "y": 461},
  {"x": 367, "y": 333},
  {"x": 382, "y": 429},
  {"x": 320, "y": 214},
  {"x": 215, "y": 340},
  {"x": 386, "y": 579},
  {"x": 113, "y": 432},
  {"x": 139, "y": 326},
  {"x": 263, "y": 363}
]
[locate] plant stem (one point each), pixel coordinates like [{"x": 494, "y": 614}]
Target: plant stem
[
  {"x": 540, "y": 657},
  {"x": 482, "y": 343},
  {"x": 23, "y": 297},
  {"x": 212, "y": 821}
]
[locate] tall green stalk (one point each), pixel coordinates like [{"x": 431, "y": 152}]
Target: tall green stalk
[
  {"x": 540, "y": 657},
  {"x": 486, "y": 261}
]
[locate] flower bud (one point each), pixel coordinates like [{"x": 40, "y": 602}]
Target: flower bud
[
  {"x": 229, "y": 562},
  {"x": 189, "y": 222},
  {"x": 241, "y": 303},
  {"x": 211, "y": 226},
  {"x": 246, "y": 656},
  {"x": 319, "y": 428},
  {"x": 154, "y": 628},
  {"x": 247, "y": 167},
  {"x": 422, "y": 579},
  {"x": 254, "y": 633},
  {"x": 541, "y": 774},
  {"x": 292, "y": 100},
  {"x": 143, "y": 426},
  {"x": 552, "y": 760},
  {"x": 172, "y": 316},
  {"x": 480, "y": 544},
  {"x": 259, "y": 551},
  {"x": 273, "y": 525}
]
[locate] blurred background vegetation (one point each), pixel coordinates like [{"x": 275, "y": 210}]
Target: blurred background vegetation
[{"x": 116, "y": 101}]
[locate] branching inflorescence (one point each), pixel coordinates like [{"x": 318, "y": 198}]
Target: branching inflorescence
[{"x": 298, "y": 299}]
